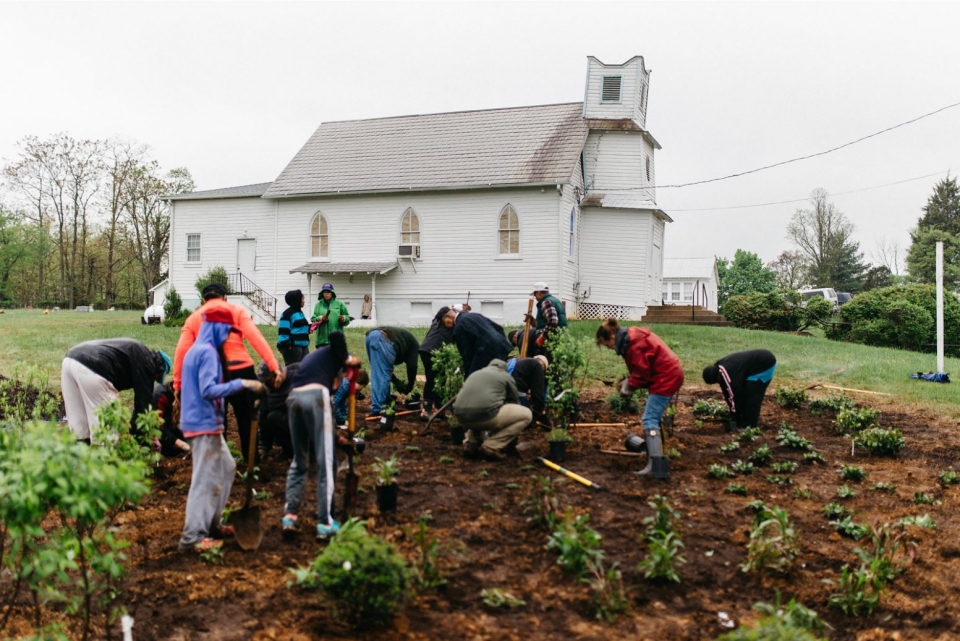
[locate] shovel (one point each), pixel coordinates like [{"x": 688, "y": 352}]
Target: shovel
[{"x": 246, "y": 522}]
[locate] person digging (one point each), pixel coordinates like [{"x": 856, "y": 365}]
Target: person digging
[
  {"x": 743, "y": 379},
  {"x": 651, "y": 365},
  {"x": 489, "y": 401}
]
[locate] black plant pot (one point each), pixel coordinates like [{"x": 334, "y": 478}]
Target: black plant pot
[
  {"x": 386, "y": 422},
  {"x": 456, "y": 435},
  {"x": 558, "y": 451},
  {"x": 387, "y": 497}
]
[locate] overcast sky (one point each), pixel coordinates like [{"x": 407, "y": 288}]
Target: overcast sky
[{"x": 232, "y": 90}]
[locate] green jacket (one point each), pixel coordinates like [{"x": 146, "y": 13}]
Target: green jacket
[
  {"x": 561, "y": 312},
  {"x": 484, "y": 393},
  {"x": 333, "y": 311}
]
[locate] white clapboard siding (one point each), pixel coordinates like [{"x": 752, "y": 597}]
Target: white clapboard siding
[
  {"x": 220, "y": 224},
  {"x": 566, "y": 289},
  {"x": 629, "y": 107},
  {"x": 615, "y": 160},
  {"x": 615, "y": 256}
]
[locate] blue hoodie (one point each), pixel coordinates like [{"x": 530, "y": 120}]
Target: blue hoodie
[{"x": 202, "y": 388}]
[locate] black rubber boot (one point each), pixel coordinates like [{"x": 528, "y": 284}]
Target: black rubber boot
[{"x": 658, "y": 465}]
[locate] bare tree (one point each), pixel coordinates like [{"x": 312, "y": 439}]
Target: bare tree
[
  {"x": 791, "y": 270},
  {"x": 824, "y": 237},
  {"x": 123, "y": 161},
  {"x": 27, "y": 176},
  {"x": 890, "y": 254}
]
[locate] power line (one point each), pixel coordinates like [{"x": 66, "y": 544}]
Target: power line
[
  {"x": 807, "y": 157},
  {"x": 803, "y": 200}
]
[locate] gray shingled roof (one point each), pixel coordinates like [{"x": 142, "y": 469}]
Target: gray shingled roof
[
  {"x": 244, "y": 191},
  {"x": 517, "y": 146},
  {"x": 346, "y": 268}
]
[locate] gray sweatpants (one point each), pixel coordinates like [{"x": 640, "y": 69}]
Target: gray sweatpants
[
  {"x": 210, "y": 485},
  {"x": 311, "y": 421}
]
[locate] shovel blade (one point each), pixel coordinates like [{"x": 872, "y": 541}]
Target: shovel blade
[{"x": 246, "y": 526}]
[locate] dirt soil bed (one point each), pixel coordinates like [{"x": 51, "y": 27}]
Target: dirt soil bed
[{"x": 177, "y": 596}]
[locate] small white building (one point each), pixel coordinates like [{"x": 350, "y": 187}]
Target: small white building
[
  {"x": 426, "y": 210},
  {"x": 690, "y": 281}
]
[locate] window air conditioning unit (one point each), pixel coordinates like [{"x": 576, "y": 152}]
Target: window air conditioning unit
[{"x": 410, "y": 251}]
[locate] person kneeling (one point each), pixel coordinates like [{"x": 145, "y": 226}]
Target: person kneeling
[{"x": 489, "y": 401}]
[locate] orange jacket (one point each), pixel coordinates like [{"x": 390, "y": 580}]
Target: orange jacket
[{"x": 234, "y": 350}]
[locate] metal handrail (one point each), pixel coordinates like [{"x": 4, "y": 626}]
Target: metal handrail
[
  {"x": 698, "y": 287},
  {"x": 240, "y": 284}
]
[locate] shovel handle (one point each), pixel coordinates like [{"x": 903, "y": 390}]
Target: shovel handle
[{"x": 252, "y": 454}]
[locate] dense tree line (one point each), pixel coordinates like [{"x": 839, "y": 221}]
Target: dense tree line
[{"x": 84, "y": 222}]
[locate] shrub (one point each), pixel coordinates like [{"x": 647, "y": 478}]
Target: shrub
[
  {"x": 448, "y": 370},
  {"x": 882, "y": 442},
  {"x": 559, "y": 435},
  {"x": 853, "y": 473},
  {"x": 778, "y": 311},
  {"x": 802, "y": 493},
  {"x": 790, "y": 398},
  {"x": 576, "y": 544},
  {"x": 362, "y": 575},
  {"x": 622, "y": 405},
  {"x": 855, "y": 420},
  {"x": 568, "y": 364},
  {"x": 901, "y": 317},
  {"x": 832, "y": 403},
  {"x": 773, "y": 544},
  {"x": 178, "y": 320},
  {"x": 216, "y": 274},
  {"x": 114, "y": 420},
  {"x": 172, "y": 303}
]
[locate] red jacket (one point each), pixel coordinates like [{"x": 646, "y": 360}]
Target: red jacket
[{"x": 651, "y": 363}]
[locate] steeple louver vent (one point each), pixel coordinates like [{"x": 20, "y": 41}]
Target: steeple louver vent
[{"x": 611, "y": 89}]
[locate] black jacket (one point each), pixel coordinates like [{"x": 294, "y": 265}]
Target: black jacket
[
  {"x": 531, "y": 380},
  {"x": 479, "y": 341},
  {"x": 408, "y": 351},
  {"x": 127, "y": 364},
  {"x": 740, "y": 365},
  {"x": 319, "y": 366},
  {"x": 437, "y": 336}
]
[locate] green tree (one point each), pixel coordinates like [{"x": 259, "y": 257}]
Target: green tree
[
  {"x": 790, "y": 268},
  {"x": 940, "y": 222},
  {"x": 21, "y": 243},
  {"x": 942, "y": 210},
  {"x": 743, "y": 275},
  {"x": 877, "y": 277},
  {"x": 850, "y": 270}
]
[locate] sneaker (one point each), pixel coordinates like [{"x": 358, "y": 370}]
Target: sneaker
[
  {"x": 289, "y": 524},
  {"x": 326, "y": 531},
  {"x": 471, "y": 449},
  {"x": 490, "y": 454}
]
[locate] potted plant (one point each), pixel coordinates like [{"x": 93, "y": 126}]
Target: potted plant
[
  {"x": 413, "y": 399},
  {"x": 387, "y": 488},
  {"x": 456, "y": 431},
  {"x": 668, "y": 415},
  {"x": 558, "y": 439},
  {"x": 388, "y": 416}
]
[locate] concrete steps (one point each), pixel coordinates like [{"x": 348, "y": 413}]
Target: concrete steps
[{"x": 684, "y": 315}]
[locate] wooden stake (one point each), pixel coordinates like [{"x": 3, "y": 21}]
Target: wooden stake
[
  {"x": 621, "y": 453},
  {"x": 397, "y": 415},
  {"x": 526, "y": 329},
  {"x": 598, "y": 424},
  {"x": 846, "y": 389}
]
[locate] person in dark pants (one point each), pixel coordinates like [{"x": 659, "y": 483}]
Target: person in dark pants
[
  {"x": 479, "y": 341},
  {"x": 743, "y": 379},
  {"x": 531, "y": 379},
  {"x": 439, "y": 334},
  {"x": 274, "y": 424},
  {"x": 293, "y": 329}
]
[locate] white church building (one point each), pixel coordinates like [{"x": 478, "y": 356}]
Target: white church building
[{"x": 423, "y": 211}]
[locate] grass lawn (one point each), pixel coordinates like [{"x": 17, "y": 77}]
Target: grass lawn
[{"x": 30, "y": 340}]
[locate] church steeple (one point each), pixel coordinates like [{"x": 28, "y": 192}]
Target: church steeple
[{"x": 617, "y": 92}]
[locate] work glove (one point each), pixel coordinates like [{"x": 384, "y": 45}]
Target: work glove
[
  {"x": 252, "y": 385},
  {"x": 625, "y": 390},
  {"x": 540, "y": 340}
]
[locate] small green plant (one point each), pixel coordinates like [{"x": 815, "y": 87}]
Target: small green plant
[
  {"x": 739, "y": 489},
  {"x": 664, "y": 545},
  {"x": 447, "y": 459},
  {"x": 497, "y": 598},
  {"x": 761, "y": 455},
  {"x": 542, "y": 504},
  {"x": 779, "y": 480},
  {"x": 847, "y": 527},
  {"x": 741, "y": 467},
  {"x": 749, "y": 434},
  {"x": 513, "y": 486},
  {"x": 834, "y": 511},
  {"x": 773, "y": 544},
  {"x": 790, "y": 398},
  {"x": 948, "y": 477},
  {"x": 788, "y": 437},
  {"x": 924, "y": 522},
  {"x": 260, "y": 495},
  {"x": 855, "y": 420},
  {"x": 673, "y": 453},
  {"x": 387, "y": 470},
  {"x": 719, "y": 472},
  {"x": 757, "y": 506},
  {"x": 793, "y": 615},
  {"x": 361, "y": 575},
  {"x": 575, "y": 543},
  {"x": 622, "y": 404},
  {"x": 887, "y": 550},
  {"x": 922, "y": 498},
  {"x": 784, "y": 467},
  {"x": 698, "y": 424},
  {"x": 880, "y": 486},
  {"x": 412, "y": 448},
  {"x": 813, "y": 457},
  {"x": 607, "y": 593},
  {"x": 212, "y": 556},
  {"x": 559, "y": 435},
  {"x": 732, "y": 446},
  {"x": 846, "y": 492},
  {"x": 853, "y": 473},
  {"x": 711, "y": 410},
  {"x": 483, "y": 474},
  {"x": 802, "y": 493},
  {"x": 426, "y": 566},
  {"x": 881, "y": 442},
  {"x": 831, "y": 403},
  {"x": 859, "y": 591}
]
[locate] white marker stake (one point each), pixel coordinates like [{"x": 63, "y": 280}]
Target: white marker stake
[
  {"x": 126, "y": 624},
  {"x": 939, "y": 306}
]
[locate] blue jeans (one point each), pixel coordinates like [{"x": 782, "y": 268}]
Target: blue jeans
[
  {"x": 381, "y": 353},
  {"x": 656, "y": 406}
]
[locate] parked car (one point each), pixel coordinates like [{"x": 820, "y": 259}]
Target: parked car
[
  {"x": 153, "y": 315},
  {"x": 822, "y": 292},
  {"x": 844, "y": 297}
]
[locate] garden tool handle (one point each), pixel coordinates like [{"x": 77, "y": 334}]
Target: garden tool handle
[
  {"x": 526, "y": 329},
  {"x": 252, "y": 454}
]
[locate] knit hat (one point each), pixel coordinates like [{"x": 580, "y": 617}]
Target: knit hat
[
  {"x": 338, "y": 347},
  {"x": 293, "y": 298},
  {"x": 213, "y": 289},
  {"x": 540, "y": 287},
  {"x": 218, "y": 315},
  {"x": 543, "y": 360},
  {"x": 710, "y": 373}
]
